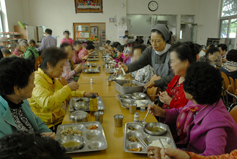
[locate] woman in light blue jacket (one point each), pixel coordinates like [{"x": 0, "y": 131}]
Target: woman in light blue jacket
[{"x": 16, "y": 85}]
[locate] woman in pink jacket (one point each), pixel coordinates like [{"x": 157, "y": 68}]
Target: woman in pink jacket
[
  {"x": 67, "y": 39},
  {"x": 205, "y": 121}
]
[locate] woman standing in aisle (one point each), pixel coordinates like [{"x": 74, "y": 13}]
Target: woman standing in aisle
[{"x": 158, "y": 56}]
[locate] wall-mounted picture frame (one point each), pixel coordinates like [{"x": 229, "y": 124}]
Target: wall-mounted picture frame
[
  {"x": 89, "y": 6},
  {"x": 94, "y": 31}
]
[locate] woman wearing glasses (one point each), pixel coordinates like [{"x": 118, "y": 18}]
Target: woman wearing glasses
[{"x": 157, "y": 56}]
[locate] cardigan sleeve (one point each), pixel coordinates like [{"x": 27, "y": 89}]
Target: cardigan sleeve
[{"x": 233, "y": 155}]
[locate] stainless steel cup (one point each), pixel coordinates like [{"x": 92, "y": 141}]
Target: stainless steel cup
[
  {"x": 99, "y": 116},
  {"x": 118, "y": 120},
  {"x": 108, "y": 82},
  {"x": 132, "y": 108}
]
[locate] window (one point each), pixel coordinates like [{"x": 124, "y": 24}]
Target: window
[{"x": 228, "y": 20}]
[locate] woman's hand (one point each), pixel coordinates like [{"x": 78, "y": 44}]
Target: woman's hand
[
  {"x": 78, "y": 68},
  {"x": 150, "y": 84},
  {"x": 73, "y": 85},
  {"x": 122, "y": 65},
  {"x": 153, "y": 152},
  {"x": 174, "y": 154},
  {"x": 88, "y": 94},
  {"x": 165, "y": 98},
  {"x": 156, "y": 110},
  {"x": 48, "y": 134}
]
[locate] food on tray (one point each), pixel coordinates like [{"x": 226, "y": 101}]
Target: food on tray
[
  {"x": 136, "y": 149},
  {"x": 133, "y": 139},
  {"x": 155, "y": 129},
  {"x": 129, "y": 84},
  {"x": 92, "y": 127},
  {"x": 157, "y": 143},
  {"x": 71, "y": 144},
  {"x": 131, "y": 128},
  {"x": 70, "y": 131},
  {"x": 125, "y": 77}
]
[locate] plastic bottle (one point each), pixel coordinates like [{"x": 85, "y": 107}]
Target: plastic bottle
[
  {"x": 91, "y": 81},
  {"x": 143, "y": 107},
  {"x": 136, "y": 117}
]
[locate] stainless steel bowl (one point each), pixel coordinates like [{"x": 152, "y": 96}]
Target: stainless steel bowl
[
  {"x": 79, "y": 116},
  {"x": 125, "y": 96},
  {"x": 148, "y": 126},
  {"x": 81, "y": 105},
  {"x": 138, "y": 95},
  {"x": 72, "y": 138},
  {"x": 127, "y": 101},
  {"x": 95, "y": 145}
]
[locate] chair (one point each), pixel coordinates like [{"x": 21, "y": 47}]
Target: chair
[
  {"x": 226, "y": 87},
  {"x": 153, "y": 90},
  {"x": 64, "y": 82},
  {"x": 232, "y": 88},
  {"x": 233, "y": 113},
  {"x": 37, "y": 62}
]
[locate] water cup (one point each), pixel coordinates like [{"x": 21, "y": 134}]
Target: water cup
[
  {"x": 132, "y": 108},
  {"x": 108, "y": 82},
  {"x": 118, "y": 120},
  {"x": 99, "y": 116}
]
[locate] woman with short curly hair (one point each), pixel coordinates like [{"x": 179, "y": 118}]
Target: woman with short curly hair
[{"x": 208, "y": 126}]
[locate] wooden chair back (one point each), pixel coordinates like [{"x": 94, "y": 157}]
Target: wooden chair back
[
  {"x": 37, "y": 62},
  {"x": 233, "y": 113}
]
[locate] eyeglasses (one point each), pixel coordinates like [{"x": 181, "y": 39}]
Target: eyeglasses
[{"x": 155, "y": 41}]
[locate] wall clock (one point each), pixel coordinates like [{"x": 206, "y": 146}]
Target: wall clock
[{"x": 153, "y": 6}]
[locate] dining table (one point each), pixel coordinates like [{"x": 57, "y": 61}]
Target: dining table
[{"x": 114, "y": 135}]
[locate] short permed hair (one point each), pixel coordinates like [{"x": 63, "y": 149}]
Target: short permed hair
[
  {"x": 64, "y": 45},
  {"x": 203, "y": 82},
  {"x": 89, "y": 47},
  {"x": 223, "y": 47},
  {"x": 15, "y": 71},
  {"x": 77, "y": 42},
  {"x": 23, "y": 145},
  {"x": 31, "y": 41},
  {"x": 52, "y": 55}
]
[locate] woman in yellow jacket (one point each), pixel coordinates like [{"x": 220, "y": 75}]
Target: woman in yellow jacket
[{"x": 49, "y": 94}]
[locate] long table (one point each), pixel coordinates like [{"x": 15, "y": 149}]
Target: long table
[{"x": 114, "y": 135}]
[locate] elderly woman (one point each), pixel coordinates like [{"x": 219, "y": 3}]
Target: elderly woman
[
  {"x": 158, "y": 56},
  {"x": 208, "y": 126},
  {"x": 49, "y": 94},
  {"x": 17, "y": 83}
]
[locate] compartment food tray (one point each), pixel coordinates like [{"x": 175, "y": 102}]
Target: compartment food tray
[
  {"x": 148, "y": 138},
  {"x": 100, "y": 102},
  {"x": 128, "y": 90},
  {"x": 94, "y": 140}
]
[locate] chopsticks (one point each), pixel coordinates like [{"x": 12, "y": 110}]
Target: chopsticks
[
  {"x": 162, "y": 147},
  {"x": 142, "y": 142}
]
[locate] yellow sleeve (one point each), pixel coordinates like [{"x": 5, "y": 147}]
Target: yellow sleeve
[
  {"x": 46, "y": 100},
  {"x": 77, "y": 93}
]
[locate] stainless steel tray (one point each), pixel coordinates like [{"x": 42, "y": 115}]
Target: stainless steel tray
[
  {"x": 110, "y": 71},
  {"x": 93, "y": 59},
  {"x": 90, "y": 64},
  {"x": 100, "y": 102},
  {"x": 91, "y": 70},
  {"x": 94, "y": 140},
  {"x": 140, "y": 131},
  {"x": 147, "y": 100},
  {"x": 93, "y": 56},
  {"x": 128, "y": 90},
  {"x": 112, "y": 77}
]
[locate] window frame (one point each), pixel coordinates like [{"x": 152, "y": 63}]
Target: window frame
[{"x": 229, "y": 18}]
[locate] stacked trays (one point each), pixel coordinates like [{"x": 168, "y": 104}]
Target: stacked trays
[
  {"x": 126, "y": 99},
  {"x": 139, "y": 131},
  {"x": 91, "y": 70},
  {"x": 93, "y": 140},
  {"x": 82, "y": 103},
  {"x": 127, "y": 90}
]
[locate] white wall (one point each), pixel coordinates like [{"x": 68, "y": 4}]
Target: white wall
[
  {"x": 14, "y": 10},
  {"x": 208, "y": 20},
  {"x": 59, "y": 15}
]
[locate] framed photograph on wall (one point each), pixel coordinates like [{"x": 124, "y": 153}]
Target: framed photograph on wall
[
  {"x": 94, "y": 31},
  {"x": 89, "y": 6}
]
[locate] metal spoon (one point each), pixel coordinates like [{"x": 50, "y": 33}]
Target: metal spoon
[
  {"x": 142, "y": 121},
  {"x": 123, "y": 71}
]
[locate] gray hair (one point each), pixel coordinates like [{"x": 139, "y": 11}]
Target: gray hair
[{"x": 24, "y": 43}]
